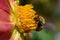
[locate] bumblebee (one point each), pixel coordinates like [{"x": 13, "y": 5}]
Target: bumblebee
[{"x": 40, "y": 22}]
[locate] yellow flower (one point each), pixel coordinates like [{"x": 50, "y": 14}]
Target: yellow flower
[
  {"x": 23, "y": 17},
  {"x": 26, "y": 15}
]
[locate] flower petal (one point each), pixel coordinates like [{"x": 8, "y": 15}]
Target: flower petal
[{"x": 6, "y": 26}]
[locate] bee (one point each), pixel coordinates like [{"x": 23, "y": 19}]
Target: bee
[{"x": 40, "y": 22}]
